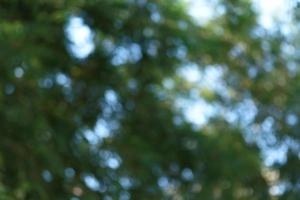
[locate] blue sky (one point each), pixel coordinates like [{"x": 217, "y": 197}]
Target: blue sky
[
  {"x": 198, "y": 112},
  {"x": 273, "y": 13},
  {"x": 203, "y": 10}
]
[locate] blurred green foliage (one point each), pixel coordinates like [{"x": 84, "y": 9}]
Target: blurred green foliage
[{"x": 106, "y": 126}]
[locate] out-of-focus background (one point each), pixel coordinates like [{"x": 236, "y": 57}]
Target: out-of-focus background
[{"x": 149, "y": 99}]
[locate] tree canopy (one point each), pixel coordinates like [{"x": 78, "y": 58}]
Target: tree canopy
[{"x": 109, "y": 121}]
